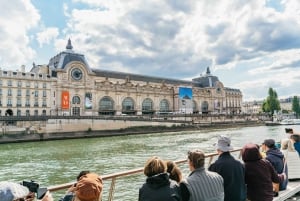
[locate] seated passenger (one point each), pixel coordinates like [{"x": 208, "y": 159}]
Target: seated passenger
[{"x": 158, "y": 186}]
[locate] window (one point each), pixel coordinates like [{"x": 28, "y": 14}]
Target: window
[
  {"x": 164, "y": 106},
  {"x": 36, "y": 102},
  {"x": 44, "y": 85},
  {"x": 36, "y": 93},
  {"x": 27, "y": 84},
  {"x": 9, "y": 102},
  {"x": 0, "y": 92},
  {"x": 36, "y": 112},
  {"x": 18, "y": 112},
  {"x": 27, "y": 92},
  {"x": 106, "y": 103},
  {"x": 19, "y": 93},
  {"x": 27, "y": 113},
  {"x": 19, "y": 84},
  {"x": 19, "y": 103},
  {"x": 147, "y": 105},
  {"x": 0, "y": 82},
  {"x": 36, "y": 85},
  {"x": 76, "y": 100},
  {"x": 9, "y": 83},
  {"x": 127, "y": 104},
  {"x": 27, "y": 103},
  {"x": 9, "y": 93},
  {"x": 44, "y": 103},
  {"x": 44, "y": 93},
  {"x": 44, "y": 112}
]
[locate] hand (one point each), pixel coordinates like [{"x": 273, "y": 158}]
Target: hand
[{"x": 47, "y": 197}]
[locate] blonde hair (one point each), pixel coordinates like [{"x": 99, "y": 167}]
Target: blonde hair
[{"x": 154, "y": 166}]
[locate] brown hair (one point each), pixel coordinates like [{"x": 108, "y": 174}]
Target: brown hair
[
  {"x": 154, "y": 166},
  {"x": 197, "y": 158},
  {"x": 174, "y": 171}
]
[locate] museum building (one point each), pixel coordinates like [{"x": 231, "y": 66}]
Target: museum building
[{"x": 67, "y": 85}]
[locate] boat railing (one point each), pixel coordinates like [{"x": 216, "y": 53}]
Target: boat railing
[{"x": 113, "y": 177}]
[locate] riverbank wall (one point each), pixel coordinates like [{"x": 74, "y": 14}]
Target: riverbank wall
[{"x": 59, "y": 129}]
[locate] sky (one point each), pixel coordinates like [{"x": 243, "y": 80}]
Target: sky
[{"x": 250, "y": 45}]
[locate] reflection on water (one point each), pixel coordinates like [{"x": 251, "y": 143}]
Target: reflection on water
[{"x": 57, "y": 162}]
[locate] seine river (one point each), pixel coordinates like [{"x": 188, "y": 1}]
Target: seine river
[{"x": 56, "y": 162}]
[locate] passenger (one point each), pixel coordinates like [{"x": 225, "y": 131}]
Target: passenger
[
  {"x": 201, "y": 184},
  {"x": 158, "y": 186},
  {"x": 259, "y": 174},
  {"x": 71, "y": 191},
  {"x": 276, "y": 158},
  {"x": 296, "y": 142},
  {"x": 174, "y": 171},
  {"x": 232, "y": 171},
  {"x": 10, "y": 191},
  {"x": 89, "y": 188}
]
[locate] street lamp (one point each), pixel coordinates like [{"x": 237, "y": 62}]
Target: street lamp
[{"x": 183, "y": 102}]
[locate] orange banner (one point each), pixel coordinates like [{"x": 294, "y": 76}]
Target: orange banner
[{"x": 65, "y": 100}]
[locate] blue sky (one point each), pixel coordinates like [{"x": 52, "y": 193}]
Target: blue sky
[{"x": 250, "y": 45}]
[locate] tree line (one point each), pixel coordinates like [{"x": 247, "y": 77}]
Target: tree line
[{"x": 272, "y": 104}]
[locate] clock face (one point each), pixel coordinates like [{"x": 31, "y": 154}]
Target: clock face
[{"x": 76, "y": 74}]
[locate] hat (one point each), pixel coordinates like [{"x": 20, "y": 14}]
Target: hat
[
  {"x": 89, "y": 187},
  {"x": 223, "y": 144},
  {"x": 269, "y": 143},
  {"x": 10, "y": 191}
]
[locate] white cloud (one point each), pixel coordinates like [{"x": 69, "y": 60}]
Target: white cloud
[
  {"x": 16, "y": 19},
  {"x": 48, "y": 35}
]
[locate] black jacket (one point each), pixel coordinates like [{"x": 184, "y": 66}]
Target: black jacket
[
  {"x": 159, "y": 188},
  {"x": 233, "y": 173}
]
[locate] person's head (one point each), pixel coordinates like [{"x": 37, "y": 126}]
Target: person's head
[
  {"x": 295, "y": 138},
  {"x": 196, "y": 159},
  {"x": 84, "y": 172},
  {"x": 289, "y": 131},
  {"x": 250, "y": 152},
  {"x": 268, "y": 144},
  {"x": 89, "y": 188},
  {"x": 223, "y": 144},
  {"x": 10, "y": 191},
  {"x": 154, "y": 165},
  {"x": 174, "y": 171}
]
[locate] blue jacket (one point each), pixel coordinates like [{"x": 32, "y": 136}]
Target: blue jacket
[
  {"x": 233, "y": 173},
  {"x": 275, "y": 157},
  {"x": 297, "y": 147}
]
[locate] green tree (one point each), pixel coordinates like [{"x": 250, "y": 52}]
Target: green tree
[
  {"x": 272, "y": 103},
  {"x": 296, "y": 105}
]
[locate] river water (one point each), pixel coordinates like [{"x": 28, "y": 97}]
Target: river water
[{"x": 57, "y": 162}]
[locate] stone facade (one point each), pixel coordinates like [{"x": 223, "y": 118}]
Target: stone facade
[{"x": 69, "y": 86}]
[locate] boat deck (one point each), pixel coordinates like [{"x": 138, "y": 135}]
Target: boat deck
[{"x": 292, "y": 188}]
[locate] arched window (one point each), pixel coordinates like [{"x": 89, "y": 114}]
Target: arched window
[
  {"x": 164, "y": 106},
  {"x": 76, "y": 100},
  {"x": 147, "y": 106},
  {"x": 128, "y": 106},
  {"x": 106, "y": 103}
]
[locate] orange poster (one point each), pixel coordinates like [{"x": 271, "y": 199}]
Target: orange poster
[{"x": 65, "y": 100}]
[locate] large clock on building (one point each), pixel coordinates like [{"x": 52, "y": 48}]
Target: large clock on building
[{"x": 76, "y": 74}]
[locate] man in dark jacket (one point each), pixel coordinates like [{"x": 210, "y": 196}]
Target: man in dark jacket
[
  {"x": 232, "y": 171},
  {"x": 276, "y": 158}
]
